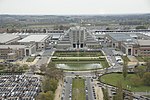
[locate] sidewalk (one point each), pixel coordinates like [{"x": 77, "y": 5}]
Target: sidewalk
[
  {"x": 58, "y": 91},
  {"x": 98, "y": 91},
  {"x": 132, "y": 59}
]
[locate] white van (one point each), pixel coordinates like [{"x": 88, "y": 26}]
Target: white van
[{"x": 119, "y": 59}]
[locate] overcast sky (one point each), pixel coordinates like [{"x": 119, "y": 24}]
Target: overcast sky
[{"x": 73, "y": 7}]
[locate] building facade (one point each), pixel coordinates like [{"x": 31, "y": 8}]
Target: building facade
[
  {"x": 77, "y": 38},
  {"x": 14, "y": 52}
]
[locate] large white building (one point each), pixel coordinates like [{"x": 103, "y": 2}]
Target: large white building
[
  {"x": 41, "y": 41},
  {"x": 77, "y": 38},
  {"x": 8, "y": 39}
]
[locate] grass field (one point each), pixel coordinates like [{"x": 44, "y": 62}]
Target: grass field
[
  {"x": 104, "y": 63},
  {"x": 78, "y": 54},
  {"x": 114, "y": 78},
  {"x": 78, "y": 89},
  {"x": 30, "y": 59}
]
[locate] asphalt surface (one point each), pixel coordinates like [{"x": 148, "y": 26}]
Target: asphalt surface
[
  {"x": 67, "y": 89},
  {"x": 88, "y": 85}
]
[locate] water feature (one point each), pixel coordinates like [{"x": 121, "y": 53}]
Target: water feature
[{"x": 79, "y": 66}]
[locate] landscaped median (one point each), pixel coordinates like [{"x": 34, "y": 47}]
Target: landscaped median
[{"x": 78, "y": 89}]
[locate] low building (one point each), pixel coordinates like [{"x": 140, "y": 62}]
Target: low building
[
  {"x": 14, "y": 52},
  {"x": 8, "y": 39},
  {"x": 41, "y": 41},
  {"x": 143, "y": 48}
]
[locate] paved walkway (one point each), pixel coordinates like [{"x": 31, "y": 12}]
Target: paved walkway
[
  {"x": 98, "y": 91},
  {"x": 58, "y": 91},
  {"x": 132, "y": 59}
]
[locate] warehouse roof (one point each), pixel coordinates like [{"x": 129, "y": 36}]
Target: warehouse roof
[
  {"x": 7, "y": 37},
  {"x": 121, "y": 37},
  {"x": 36, "y": 38},
  {"x": 11, "y": 46},
  {"x": 144, "y": 42}
]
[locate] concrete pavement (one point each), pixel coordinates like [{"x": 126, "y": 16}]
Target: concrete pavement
[{"x": 58, "y": 91}]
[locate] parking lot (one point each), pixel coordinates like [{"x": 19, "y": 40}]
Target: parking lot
[{"x": 19, "y": 86}]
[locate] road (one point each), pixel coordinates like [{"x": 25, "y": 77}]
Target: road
[
  {"x": 67, "y": 90},
  {"x": 88, "y": 85},
  {"x": 43, "y": 59}
]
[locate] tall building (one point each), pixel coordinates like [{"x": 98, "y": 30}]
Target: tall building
[{"x": 77, "y": 38}]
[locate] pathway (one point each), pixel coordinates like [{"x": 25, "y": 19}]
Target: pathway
[
  {"x": 98, "y": 91},
  {"x": 58, "y": 91}
]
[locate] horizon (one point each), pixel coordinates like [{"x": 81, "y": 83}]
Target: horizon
[{"x": 75, "y": 14}]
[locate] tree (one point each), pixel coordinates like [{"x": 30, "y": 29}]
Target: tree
[
  {"x": 46, "y": 84},
  {"x": 125, "y": 70},
  {"x": 146, "y": 78},
  {"x": 43, "y": 68},
  {"x": 49, "y": 95},
  {"x": 148, "y": 66},
  {"x": 33, "y": 68},
  {"x": 107, "y": 28},
  {"x": 139, "y": 71},
  {"x": 119, "y": 92},
  {"x": 25, "y": 67},
  {"x": 53, "y": 85},
  {"x": 141, "y": 27},
  {"x": 44, "y": 30}
]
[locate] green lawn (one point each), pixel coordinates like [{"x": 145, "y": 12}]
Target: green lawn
[
  {"x": 76, "y": 59},
  {"x": 104, "y": 63},
  {"x": 2, "y": 67},
  {"x": 78, "y": 54},
  {"x": 78, "y": 89},
  {"x": 114, "y": 78},
  {"x": 30, "y": 59},
  {"x": 142, "y": 59}
]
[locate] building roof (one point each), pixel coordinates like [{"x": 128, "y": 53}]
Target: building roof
[
  {"x": 121, "y": 37},
  {"x": 144, "y": 42},
  {"x": 7, "y": 37},
  {"x": 35, "y": 38},
  {"x": 11, "y": 46}
]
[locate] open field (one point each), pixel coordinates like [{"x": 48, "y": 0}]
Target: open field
[
  {"x": 115, "y": 77},
  {"x": 78, "y": 89}
]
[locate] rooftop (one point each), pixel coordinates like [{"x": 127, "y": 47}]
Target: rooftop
[
  {"x": 12, "y": 46},
  {"x": 144, "y": 42},
  {"x": 121, "y": 37},
  {"x": 7, "y": 37},
  {"x": 36, "y": 38}
]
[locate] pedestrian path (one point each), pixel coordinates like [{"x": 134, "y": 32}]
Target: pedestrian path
[
  {"x": 98, "y": 91},
  {"x": 58, "y": 91},
  {"x": 132, "y": 59}
]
